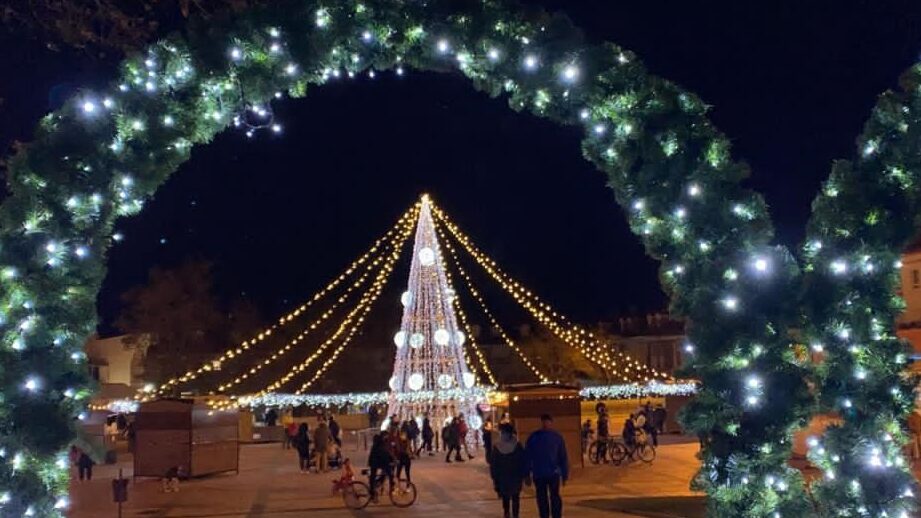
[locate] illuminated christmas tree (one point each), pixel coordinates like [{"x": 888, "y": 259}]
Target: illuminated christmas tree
[{"x": 430, "y": 374}]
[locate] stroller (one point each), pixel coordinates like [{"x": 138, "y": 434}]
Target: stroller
[{"x": 334, "y": 454}]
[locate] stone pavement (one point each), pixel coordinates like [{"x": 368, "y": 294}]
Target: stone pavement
[{"x": 269, "y": 485}]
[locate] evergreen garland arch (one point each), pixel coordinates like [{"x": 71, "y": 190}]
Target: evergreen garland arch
[{"x": 105, "y": 152}]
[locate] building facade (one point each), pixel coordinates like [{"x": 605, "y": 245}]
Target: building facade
[
  {"x": 117, "y": 364},
  {"x": 910, "y": 291}
]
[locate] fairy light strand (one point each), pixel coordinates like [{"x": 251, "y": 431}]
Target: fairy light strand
[
  {"x": 258, "y": 338},
  {"x": 575, "y": 336},
  {"x": 492, "y": 320},
  {"x": 367, "y": 297}
]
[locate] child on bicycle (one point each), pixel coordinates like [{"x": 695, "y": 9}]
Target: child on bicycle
[{"x": 346, "y": 478}]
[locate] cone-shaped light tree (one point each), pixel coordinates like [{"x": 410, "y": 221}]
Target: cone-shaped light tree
[{"x": 430, "y": 375}]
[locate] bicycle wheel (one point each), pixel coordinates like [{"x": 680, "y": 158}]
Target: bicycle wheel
[
  {"x": 646, "y": 453},
  {"x": 617, "y": 452},
  {"x": 403, "y": 493},
  {"x": 593, "y": 453},
  {"x": 356, "y": 495}
]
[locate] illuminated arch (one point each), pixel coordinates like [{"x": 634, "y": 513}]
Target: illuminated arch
[{"x": 105, "y": 152}]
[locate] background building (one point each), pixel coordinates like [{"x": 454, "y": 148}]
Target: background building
[
  {"x": 910, "y": 290},
  {"x": 117, "y": 364}
]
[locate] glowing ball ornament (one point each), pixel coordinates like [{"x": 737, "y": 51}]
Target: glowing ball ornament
[
  {"x": 406, "y": 298},
  {"x": 450, "y": 294},
  {"x": 399, "y": 339},
  {"x": 394, "y": 383},
  {"x": 460, "y": 337},
  {"x": 427, "y": 256},
  {"x": 416, "y": 381},
  {"x": 445, "y": 381},
  {"x": 469, "y": 379},
  {"x": 442, "y": 337},
  {"x": 417, "y": 340}
]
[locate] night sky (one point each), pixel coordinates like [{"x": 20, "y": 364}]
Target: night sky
[{"x": 791, "y": 84}]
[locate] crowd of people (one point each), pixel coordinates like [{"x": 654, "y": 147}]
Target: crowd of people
[
  {"x": 643, "y": 425},
  {"x": 319, "y": 448}
]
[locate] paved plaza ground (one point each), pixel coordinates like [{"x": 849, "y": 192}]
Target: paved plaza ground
[{"x": 270, "y": 485}]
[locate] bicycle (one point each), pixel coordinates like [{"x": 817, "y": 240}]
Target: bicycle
[
  {"x": 357, "y": 495},
  {"x": 595, "y": 456},
  {"x": 639, "y": 450}
]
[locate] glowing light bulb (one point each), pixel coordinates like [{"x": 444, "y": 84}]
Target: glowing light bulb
[
  {"x": 493, "y": 54},
  {"x": 236, "y": 53},
  {"x": 839, "y": 267},
  {"x": 89, "y": 107},
  {"x": 442, "y": 337},
  {"x": 731, "y": 303},
  {"x": 530, "y": 62},
  {"x": 694, "y": 190},
  {"x": 570, "y": 73},
  {"x": 32, "y": 384},
  {"x": 291, "y": 69},
  {"x": 443, "y": 46},
  {"x": 276, "y": 128},
  {"x": 761, "y": 264}
]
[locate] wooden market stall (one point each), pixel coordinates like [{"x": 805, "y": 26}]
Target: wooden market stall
[
  {"x": 187, "y": 434},
  {"x": 527, "y": 402}
]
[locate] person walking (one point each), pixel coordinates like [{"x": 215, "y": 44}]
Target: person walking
[
  {"x": 427, "y": 435},
  {"x": 548, "y": 465},
  {"x": 379, "y": 460},
  {"x": 290, "y": 435},
  {"x": 462, "y": 430},
  {"x": 334, "y": 431},
  {"x": 412, "y": 435},
  {"x": 402, "y": 452},
  {"x": 487, "y": 438},
  {"x": 603, "y": 433},
  {"x": 321, "y": 445},
  {"x": 85, "y": 465},
  {"x": 508, "y": 468},
  {"x": 449, "y": 436},
  {"x": 302, "y": 445}
]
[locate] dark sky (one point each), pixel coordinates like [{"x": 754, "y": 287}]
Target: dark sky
[{"x": 791, "y": 83}]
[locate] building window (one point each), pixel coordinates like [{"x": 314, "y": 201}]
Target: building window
[{"x": 916, "y": 279}]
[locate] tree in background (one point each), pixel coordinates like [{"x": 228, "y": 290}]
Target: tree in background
[
  {"x": 185, "y": 320},
  {"x": 106, "y": 28},
  {"x": 558, "y": 361}
]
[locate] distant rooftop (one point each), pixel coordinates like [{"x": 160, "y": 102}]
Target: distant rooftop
[{"x": 915, "y": 245}]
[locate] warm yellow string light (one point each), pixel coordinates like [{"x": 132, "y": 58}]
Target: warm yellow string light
[
  {"x": 492, "y": 320},
  {"x": 362, "y": 307},
  {"x": 300, "y": 337},
  {"x": 575, "y": 336},
  {"x": 467, "y": 328},
  {"x": 235, "y": 352}
]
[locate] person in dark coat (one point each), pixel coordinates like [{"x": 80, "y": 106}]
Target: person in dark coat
[
  {"x": 549, "y": 467},
  {"x": 334, "y": 431},
  {"x": 271, "y": 417},
  {"x": 427, "y": 435},
  {"x": 85, "y": 466},
  {"x": 508, "y": 468},
  {"x": 380, "y": 460},
  {"x": 451, "y": 438},
  {"x": 302, "y": 444},
  {"x": 487, "y": 438}
]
